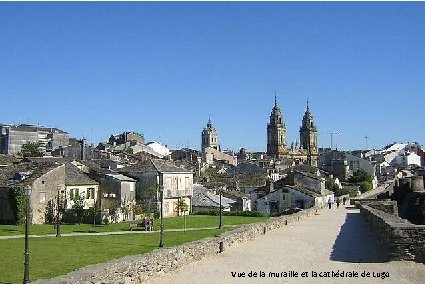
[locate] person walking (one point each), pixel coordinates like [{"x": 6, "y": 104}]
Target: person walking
[
  {"x": 330, "y": 203},
  {"x": 337, "y": 203}
]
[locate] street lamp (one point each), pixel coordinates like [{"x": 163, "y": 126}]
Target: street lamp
[
  {"x": 27, "y": 192},
  {"x": 161, "y": 232},
  {"x": 221, "y": 214},
  {"x": 58, "y": 221}
]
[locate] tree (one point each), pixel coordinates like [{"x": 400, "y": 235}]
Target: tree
[
  {"x": 183, "y": 207},
  {"x": 362, "y": 179},
  {"x": 148, "y": 193},
  {"x": 78, "y": 208},
  {"x": 30, "y": 149},
  {"x": 18, "y": 204}
]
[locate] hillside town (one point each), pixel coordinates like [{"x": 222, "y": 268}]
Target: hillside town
[{"x": 127, "y": 177}]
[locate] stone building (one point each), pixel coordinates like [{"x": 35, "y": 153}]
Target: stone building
[
  {"x": 51, "y": 181},
  {"x": 118, "y": 192},
  {"x": 49, "y": 139},
  {"x": 155, "y": 174},
  {"x": 128, "y": 136},
  {"x": 305, "y": 152},
  {"x": 299, "y": 189}
]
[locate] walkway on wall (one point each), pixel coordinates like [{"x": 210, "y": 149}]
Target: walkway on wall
[{"x": 332, "y": 241}]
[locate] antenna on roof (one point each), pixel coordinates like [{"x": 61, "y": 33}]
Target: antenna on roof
[
  {"x": 366, "y": 139},
  {"x": 332, "y": 137}
]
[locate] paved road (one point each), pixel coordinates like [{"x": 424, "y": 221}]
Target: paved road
[{"x": 334, "y": 240}]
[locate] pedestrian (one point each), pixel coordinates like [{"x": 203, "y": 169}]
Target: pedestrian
[
  {"x": 344, "y": 199},
  {"x": 149, "y": 224},
  {"x": 337, "y": 203},
  {"x": 144, "y": 223},
  {"x": 330, "y": 203}
]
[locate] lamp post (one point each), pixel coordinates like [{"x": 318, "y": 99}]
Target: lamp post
[
  {"x": 58, "y": 221},
  {"x": 161, "y": 232},
  {"x": 27, "y": 192},
  {"x": 221, "y": 214}
]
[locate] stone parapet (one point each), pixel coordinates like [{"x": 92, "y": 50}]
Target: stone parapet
[
  {"x": 404, "y": 240},
  {"x": 140, "y": 268}
]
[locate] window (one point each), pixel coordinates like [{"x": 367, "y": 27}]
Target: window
[
  {"x": 42, "y": 197},
  {"x": 74, "y": 193},
  {"x": 90, "y": 193},
  {"x": 186, "y": 183},
  {"x": 132, "y": 187}
]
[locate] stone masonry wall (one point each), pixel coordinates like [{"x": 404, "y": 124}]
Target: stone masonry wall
[
  {"x": 387, "y": 206},
  {"x": 404, "y": 240},
  {"x": 139, "y": 268}
]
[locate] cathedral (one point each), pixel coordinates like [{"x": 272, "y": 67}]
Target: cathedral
[{"x": 305, "y": 152}]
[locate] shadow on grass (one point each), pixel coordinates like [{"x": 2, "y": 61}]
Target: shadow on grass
[
  {"x": 355, "y": 243},
  {"x": 11, "y": 230}
]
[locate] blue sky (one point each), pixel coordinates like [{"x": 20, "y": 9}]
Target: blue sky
[{"x": 162, "y": 68}]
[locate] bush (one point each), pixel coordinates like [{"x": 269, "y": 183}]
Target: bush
[
  {"x": 346, "y": 190},
  {"x": 365, "y": 186},
  {"x": 208, "y": 212}
]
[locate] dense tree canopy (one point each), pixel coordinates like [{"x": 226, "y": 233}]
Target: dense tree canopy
[{"x": 30, "y": 149}]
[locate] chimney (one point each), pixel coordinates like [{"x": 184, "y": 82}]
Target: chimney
[
  {"x": 270, "y": 185},
  {"x": 83, "y": 149}
]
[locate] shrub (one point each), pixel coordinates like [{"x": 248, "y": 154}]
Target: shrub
[{"x": 365, "y": 186}]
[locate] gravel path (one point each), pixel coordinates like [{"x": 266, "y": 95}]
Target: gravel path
[{"x": 332, "y": 241}]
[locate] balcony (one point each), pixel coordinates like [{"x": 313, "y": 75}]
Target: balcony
[{"x": 176, "y": 193}]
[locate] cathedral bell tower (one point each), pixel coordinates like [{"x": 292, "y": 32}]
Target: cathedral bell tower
[
  {"x": 276, "y": 133},
  {"x": 308, "y": 137},
  {"x": 210, "y": 137}
]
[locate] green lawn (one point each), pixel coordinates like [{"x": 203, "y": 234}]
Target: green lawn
[
  {"x": 192, "y": 221},
  {"x": 51, "y": 257}
]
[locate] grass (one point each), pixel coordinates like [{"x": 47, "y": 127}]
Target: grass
[
  {"x": 192, "y": 221},
  {"x": 51, "y": 257}
]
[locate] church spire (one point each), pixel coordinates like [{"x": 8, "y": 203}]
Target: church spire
[
  {"x": 275, "y": 100},
  {"x": 308, "y": 137},
  {"x": 209, "y": 124}
]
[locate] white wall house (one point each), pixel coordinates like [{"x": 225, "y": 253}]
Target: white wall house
[
  {"x": 79, "y": 185},
  {"x": 274, "y": 202},
  {"x": 159, "y": 148},
  {"x": 176, "y": 183}
]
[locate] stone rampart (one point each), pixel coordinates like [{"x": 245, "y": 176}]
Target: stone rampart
[
  {"x": 404, "y": 240},
  {"x": 139, "y": 268}
]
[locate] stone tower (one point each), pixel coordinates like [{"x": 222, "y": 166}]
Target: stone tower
[
  {"x": 210, "y": 137},
  {"x": 276, "y": 133},
  {"x": 308, "y": 137}
]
